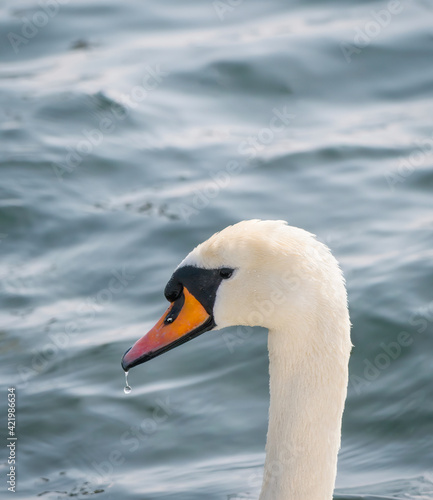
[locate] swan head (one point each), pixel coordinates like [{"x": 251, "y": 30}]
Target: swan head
[{"x": 254, "y": 273}]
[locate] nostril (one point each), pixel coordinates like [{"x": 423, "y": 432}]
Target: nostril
[{"x": 175, "y": 309}]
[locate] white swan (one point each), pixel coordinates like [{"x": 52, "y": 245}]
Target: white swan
[{"x": 266, "y": 273}]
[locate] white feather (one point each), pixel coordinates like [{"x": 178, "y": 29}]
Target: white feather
[{"x": 287, "y": 281}]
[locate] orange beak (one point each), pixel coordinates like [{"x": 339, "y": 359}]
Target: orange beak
[{"x": 184, "y": 320}]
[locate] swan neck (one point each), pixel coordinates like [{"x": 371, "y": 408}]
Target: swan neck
[{"x": 307, "y": 394}]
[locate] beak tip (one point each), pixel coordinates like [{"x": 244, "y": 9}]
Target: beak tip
[
  {"x": 191, "y": 319},
  {"x": 125, "y": 365}
]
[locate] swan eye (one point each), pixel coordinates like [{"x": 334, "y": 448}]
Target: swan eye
[{"x": 226, "y": 273}]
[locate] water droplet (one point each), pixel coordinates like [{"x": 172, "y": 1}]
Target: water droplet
[{"x": 127, "y": 388}]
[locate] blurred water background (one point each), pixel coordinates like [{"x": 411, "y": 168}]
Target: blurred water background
[{"x": 130, "y": 132}]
